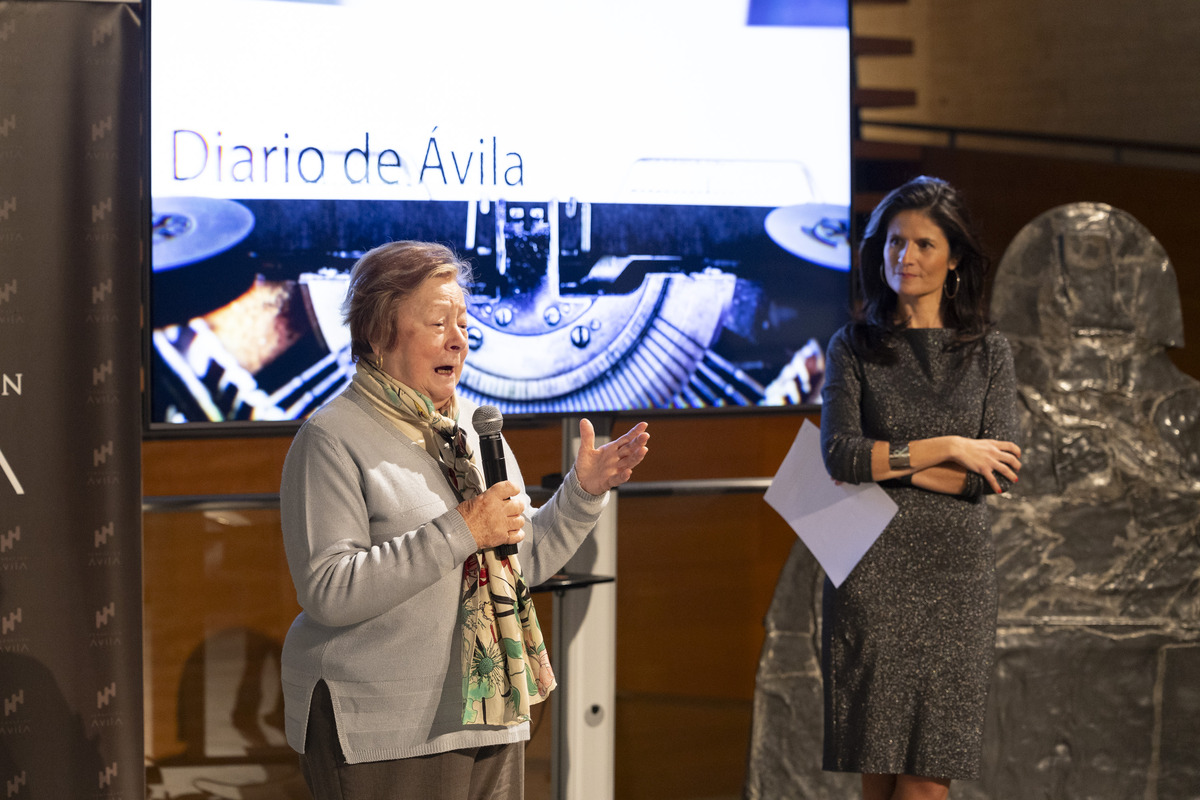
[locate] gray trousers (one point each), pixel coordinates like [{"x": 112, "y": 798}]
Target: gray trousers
[{"x": 479, "y": 773}]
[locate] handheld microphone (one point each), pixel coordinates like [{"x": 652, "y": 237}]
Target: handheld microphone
[{"x": 488, "y": 421}]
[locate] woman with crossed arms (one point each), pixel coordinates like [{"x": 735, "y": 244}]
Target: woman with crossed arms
[{"x": 920, "y": 398}]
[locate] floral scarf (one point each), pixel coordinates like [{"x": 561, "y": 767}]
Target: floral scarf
[{"x": 505, "y": 665}]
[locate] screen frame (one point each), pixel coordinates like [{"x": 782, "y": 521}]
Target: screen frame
[{"x": 153, "y": 429}]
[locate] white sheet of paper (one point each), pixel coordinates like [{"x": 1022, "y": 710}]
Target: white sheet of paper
[{"x": 838, "y": 523}]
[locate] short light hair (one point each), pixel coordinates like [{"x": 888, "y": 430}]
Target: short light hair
[{"x": 383, "y": 278}]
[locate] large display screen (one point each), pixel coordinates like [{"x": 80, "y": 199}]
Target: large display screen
[{"x": 654, "y": 195}]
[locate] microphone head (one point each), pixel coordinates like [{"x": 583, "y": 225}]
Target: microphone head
[{"x": 487, "y": 420}]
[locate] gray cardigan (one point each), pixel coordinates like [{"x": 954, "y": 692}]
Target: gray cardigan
[{"x": 376, "y": 546}]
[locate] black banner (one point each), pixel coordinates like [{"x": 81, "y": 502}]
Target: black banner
[{"x": 71, "y": 231}]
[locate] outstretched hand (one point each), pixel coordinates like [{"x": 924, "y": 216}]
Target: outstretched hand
[{"x": 608, "y": 466}]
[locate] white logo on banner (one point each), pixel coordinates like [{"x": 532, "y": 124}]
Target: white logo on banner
[
  {"x": 7, "y": 124},
  {"x": 101, "y": 373},
  {"x": 104, "y": 533},
  {"x": 14, "y": 786},
  {"x": 8, "y": 384},
  {"x": 100, "y": 455},
  {"x": 101, "y": 291},
  {"x": 8, "y": 539},
  {"x": 12, "y": 476},
  {"x": 8, "y": 623},
  {"x": 7, "y": 207},
  {"x": 101, "y": 33},
  {"x": 105, "y": 614},
  {"x": 100, "y": 538},
  {"x": 107, "y": 776},
  {"x": 7, "y": 290},
  {"x": 105, "y": 695},
  {"x": 100, "y": 211},
  {"x": 104, "y": 126},
  {"x": 11, "y": 704}
]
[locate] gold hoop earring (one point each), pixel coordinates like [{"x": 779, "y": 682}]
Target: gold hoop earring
[{"x": 957, "y": 285}]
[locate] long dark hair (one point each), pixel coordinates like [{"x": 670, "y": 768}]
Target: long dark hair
[{"x": 875, "y": 302}]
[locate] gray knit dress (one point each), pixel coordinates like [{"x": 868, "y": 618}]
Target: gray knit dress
[{"x": 908, "y": 638}]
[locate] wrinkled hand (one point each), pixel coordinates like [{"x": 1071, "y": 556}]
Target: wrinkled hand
[
  {"x": 602, "y": 468},
  {"x": 494, "y": 517},
  {"x": 989, "y": 457}
]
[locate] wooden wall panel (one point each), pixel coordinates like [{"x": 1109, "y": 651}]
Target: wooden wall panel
[{"x": 1105, "y": 69}]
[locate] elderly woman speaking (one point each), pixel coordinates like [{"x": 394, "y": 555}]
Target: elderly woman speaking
[{"x": 410, "y": 670}]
